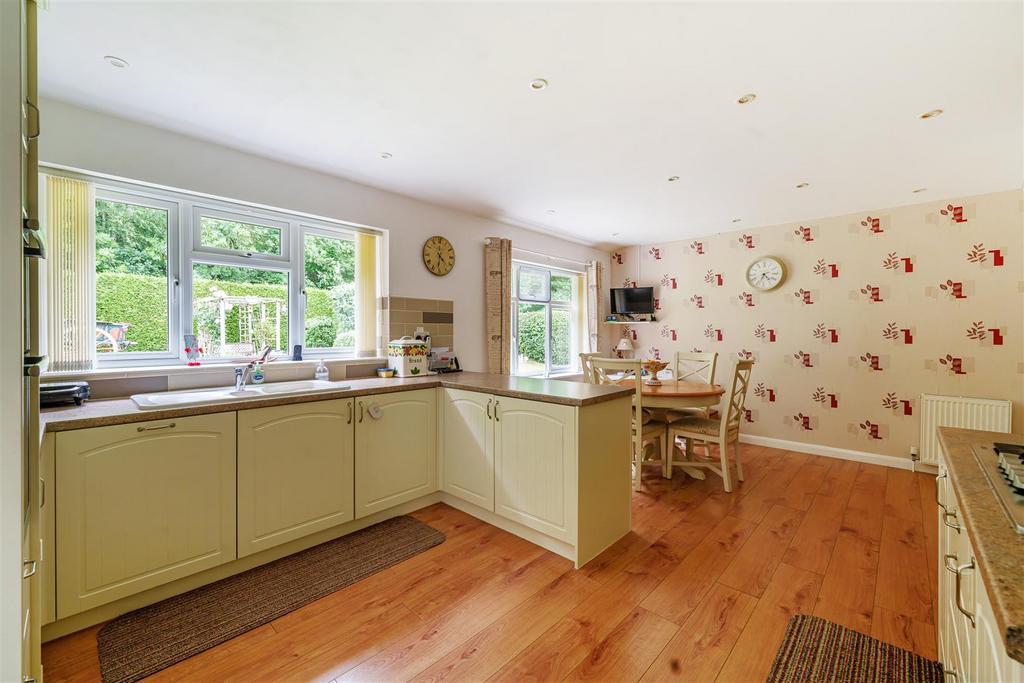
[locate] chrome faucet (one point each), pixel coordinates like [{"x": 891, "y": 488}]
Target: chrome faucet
[{"x": 242, "y": 376}]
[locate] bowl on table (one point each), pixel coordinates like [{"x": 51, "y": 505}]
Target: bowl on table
[{"x": 653, "y": 366}]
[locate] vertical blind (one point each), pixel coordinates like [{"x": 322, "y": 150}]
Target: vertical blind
[
  {"x": 367, "y": 340},
  {"x": 71, "y": 274}
]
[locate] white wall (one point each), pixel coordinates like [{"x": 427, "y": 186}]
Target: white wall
[
  {"x": 94, "y": 141},
  {"x": 10, "y": 343}
]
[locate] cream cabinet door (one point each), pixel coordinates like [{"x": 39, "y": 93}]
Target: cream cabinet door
[
  {"x": 396, "y": 447},
  {"x": 535, "y": 465},
  {"x": 295, "y": 472},
  {"x": 142, "y": 504},
  {"x": 467, "y": 446}
]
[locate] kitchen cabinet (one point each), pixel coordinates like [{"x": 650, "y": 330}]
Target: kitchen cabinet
[
  {"x": 139, "y": 505},
  {"x": 535, "y": 465},
  {"x": 466, "y": 446},
  {"x": 971, "y": 645},
  {"x": 395, "y": 449},
  {"x": 295, "y": 472}
]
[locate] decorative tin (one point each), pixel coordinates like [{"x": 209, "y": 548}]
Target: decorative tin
[{"x": 409, "y": 357}]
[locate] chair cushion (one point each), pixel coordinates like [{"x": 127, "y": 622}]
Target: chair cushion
[
  {"x": 652, "y": 428},
  {"x": 697, "y": 425}
]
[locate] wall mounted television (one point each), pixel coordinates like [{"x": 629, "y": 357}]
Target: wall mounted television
[{"x": 632, "y": 300}]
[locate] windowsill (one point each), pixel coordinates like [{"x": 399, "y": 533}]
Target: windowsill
[{"x": 213, "y": 367}]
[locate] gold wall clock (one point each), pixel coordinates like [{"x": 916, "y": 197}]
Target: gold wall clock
[
  {"x": 438, "y": 255},
  {"x": 766, "y": 273}
]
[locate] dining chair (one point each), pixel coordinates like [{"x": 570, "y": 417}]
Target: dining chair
[
  {"x": 723, "y": 430},
  {"x": 694, "y": 366},
  {"x": 645, "y": 431},
  {"x": 585, "y": 365}
]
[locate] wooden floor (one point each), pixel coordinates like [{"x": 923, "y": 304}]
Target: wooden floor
[{"x": 700, "y": 590}]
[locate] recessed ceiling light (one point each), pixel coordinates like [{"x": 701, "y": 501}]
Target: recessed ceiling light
[
  {"x": 748, "y": 98},
  {"x": 116, "y": 61},
  {"x": 538, "y": 84},
  {"x": 673, "y": 178},
  {"x": 931, "y": 114},
  {"x": 551, "y": 210},
  {"x": 736, "y": 220},
  {"x": 385, "y": 155},
  {"x": 920, "y": 189},
  {"x": 615, "y": 234},
  {"x": 801, "y": 186}
]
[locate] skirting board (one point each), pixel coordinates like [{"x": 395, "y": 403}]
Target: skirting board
[{"x": 828, "y": 451}]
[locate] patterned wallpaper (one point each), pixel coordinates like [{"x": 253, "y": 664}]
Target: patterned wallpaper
[{"x": 878, "y": 308}]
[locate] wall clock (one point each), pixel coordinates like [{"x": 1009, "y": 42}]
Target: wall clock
[
  {"x": 438, "y": 255},
  {"x": 766, "y": 273}
]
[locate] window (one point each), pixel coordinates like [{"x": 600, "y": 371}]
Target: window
[
  {"x": 240, "y": 278},
  {"x": 546, "y": 320},
  {"x": 134, "y": 235}
]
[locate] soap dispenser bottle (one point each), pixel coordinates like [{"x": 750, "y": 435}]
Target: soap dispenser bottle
[{"x": 321, "y": 372}]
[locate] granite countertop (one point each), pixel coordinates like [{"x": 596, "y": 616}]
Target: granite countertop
[
  {"x": 999, "y": 549},
  {"x": 105, "y": 412}
]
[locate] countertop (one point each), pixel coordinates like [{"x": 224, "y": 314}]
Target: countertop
[
  {"x": 999, "y": 549},
  {"x": 123, "y": 410}
]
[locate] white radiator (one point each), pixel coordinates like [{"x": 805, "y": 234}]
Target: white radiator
[{"x": 987, "y": 414}]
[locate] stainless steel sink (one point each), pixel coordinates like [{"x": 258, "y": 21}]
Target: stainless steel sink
[{"x": 198, "y": 397}]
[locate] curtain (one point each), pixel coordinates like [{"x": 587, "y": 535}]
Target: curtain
[
  {"x": 498, "y": 303},
  {"x": 594, "y": 298},
  {"x": 367, "y": 341},
  {"x": 70, "y": 275}
]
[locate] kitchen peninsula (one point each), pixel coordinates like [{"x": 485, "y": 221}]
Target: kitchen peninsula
[{"x": 145, "y": 504}]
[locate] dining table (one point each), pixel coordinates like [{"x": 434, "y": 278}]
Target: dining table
[{"x": 672, "y": 394}]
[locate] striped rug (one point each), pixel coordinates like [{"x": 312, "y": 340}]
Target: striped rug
[
  {"x": 815, "y": 649},
  {"x": 147, "y": 640}
]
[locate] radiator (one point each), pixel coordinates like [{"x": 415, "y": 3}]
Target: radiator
[{"x": 987, "y": 414}]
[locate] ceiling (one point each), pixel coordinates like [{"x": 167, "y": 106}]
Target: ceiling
[{"x": 638, "y": 93}]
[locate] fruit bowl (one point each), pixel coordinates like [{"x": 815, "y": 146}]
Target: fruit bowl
[{"x": 653, "y": 367}]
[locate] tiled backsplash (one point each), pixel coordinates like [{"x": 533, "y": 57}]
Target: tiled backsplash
[{"x": 402, "y": 315}]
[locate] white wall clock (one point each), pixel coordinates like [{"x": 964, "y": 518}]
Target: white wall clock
[{"x": 766, "y": 273}]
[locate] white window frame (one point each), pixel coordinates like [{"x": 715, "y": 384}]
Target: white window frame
[
  {"x": 573, "y": 307},
  {"x": 185, "y": 209},
  {"x": 174, "y": 334},
  {"x": 249, "y": 218}
]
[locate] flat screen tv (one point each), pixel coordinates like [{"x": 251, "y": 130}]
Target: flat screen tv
[{"x": 632, "y": 300}]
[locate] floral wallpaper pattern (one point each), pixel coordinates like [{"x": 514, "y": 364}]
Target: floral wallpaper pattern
[{"x": 877, "y": 309}]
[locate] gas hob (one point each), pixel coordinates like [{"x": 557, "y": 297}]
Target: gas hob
[{"x": 1003, "y": 464}]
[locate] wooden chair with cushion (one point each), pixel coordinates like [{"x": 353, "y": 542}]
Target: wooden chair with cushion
[
  {"x": 607, "y": 371},
  {"x": 694, "y": 366},
  {"x": 585, "y": 366},
  {"x": 723, "y": 430}
]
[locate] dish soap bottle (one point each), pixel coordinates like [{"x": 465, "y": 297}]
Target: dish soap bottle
[{"x": 321, "y": 373}]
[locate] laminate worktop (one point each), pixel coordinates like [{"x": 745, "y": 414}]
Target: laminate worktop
[
  {"x": 999, "y": 549},
  {"x": 123, "y": 410}
]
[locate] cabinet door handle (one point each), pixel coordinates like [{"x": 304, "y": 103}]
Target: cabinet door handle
[
  {"x": 37, "y": 128},
  {"x": 489, "y": 401},
  {"x": 951, "y": 672},
  {"x": 937, "y": 501},
  {"x": 950, "y": 567},
  {"x": 945, "y": 520},
  {"x": 360, "y": 412},
  {"x": 28, "y": 568},
  {"x": 959, "y": 601},
  {"x": 350, "y": 410},
  {"x": 154, "y": 429},
  {"x": 497, "y": 416}
]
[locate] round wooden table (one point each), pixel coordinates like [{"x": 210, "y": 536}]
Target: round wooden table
[{"x": 679, "y": 394}]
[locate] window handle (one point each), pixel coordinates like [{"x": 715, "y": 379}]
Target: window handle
[{"x": 175, "y": 285}]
